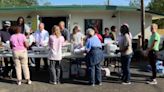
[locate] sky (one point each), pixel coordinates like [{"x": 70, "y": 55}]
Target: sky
[{"x": 88, "y": 2}]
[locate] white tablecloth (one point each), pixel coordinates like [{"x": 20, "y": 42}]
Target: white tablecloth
[
  {"x": 33, "y": 55},
  {"x": 65, "y": 55}
]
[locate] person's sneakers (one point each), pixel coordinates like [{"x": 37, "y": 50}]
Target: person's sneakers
[
  {"x": 126, "y": 83},
  {"x": 152, "y": 82},
  {"x": 19, "y": 83},
  {"x": 29, "y": 82},
  {"x": 100, "y": 84},
  {"x": 32, "y": 65},
  {"x": 54, "y": 83},
  {"x": 92, "y": 85}
]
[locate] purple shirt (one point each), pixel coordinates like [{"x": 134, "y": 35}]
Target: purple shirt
[{"x": 17, "y": 42}]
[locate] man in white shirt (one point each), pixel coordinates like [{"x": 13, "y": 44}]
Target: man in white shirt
[
  {"x": 41, "y": 36},
  {"x": 41, "y": 39}
]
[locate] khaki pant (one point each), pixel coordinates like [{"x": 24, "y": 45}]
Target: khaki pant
[{"x": 21, "y": 63}]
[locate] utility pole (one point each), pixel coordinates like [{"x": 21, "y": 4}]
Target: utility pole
[
  {"x": 108, "y": 2},
  {"x": 142, "y": 22}
]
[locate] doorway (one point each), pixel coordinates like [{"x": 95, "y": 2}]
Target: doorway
[{"x": 51, "y": 21}]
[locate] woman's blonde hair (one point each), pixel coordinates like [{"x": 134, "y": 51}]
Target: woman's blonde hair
[{"x": 56, "y": 30}]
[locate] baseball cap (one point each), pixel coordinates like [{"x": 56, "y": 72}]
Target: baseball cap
[{"x": 7, "y": 23}]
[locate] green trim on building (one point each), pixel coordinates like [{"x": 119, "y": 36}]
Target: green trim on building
[
  {"x": 74, "y": 8},
  {"x": 68, "y": 7}
]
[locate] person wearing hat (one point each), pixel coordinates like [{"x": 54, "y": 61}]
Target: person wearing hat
[{"x": 5, "y": 36}]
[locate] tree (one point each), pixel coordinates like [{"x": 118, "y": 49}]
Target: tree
[
  {"x": 12, "y": 3},
  {"x": 158, "y": 7},
  {"x": 135, "y": 3},
  {"x": 108, "y": 2},
  {"x": 47, "y": 4}
]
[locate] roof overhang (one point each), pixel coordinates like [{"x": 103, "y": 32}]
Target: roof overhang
[
  {"x": 68, "y": 7},
  {"x": 156, "y": 15},
  {"x": 77, "y": 8}
]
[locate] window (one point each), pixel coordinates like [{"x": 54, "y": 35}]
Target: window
[{"x": 97, "y": 23}]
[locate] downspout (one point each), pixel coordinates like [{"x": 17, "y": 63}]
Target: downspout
[
  {"x": 119, "y": 22},
  {"x": 69, "y": 22}
]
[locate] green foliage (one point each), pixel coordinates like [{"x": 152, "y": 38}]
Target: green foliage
[
  {"x": 12, "y": 3},
  {"x": 135, "y": 3},
  {"x": 160, "y": 23},
  {"x": 157, "y": 6}
]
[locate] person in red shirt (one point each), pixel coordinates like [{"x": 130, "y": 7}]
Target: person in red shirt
[{"x": 98, "y": 35}]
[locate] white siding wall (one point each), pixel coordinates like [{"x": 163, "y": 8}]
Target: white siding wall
[
  {"x": 134, "y": 21},
  {"x": 132, "y": 18},
  {"x": 77, "y": 17}
]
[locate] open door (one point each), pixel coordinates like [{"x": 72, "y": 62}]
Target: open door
[{"x": 51, "y": 21}]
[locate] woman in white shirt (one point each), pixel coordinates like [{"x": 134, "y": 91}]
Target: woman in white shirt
[
  {"x": 77, "y": 37},
  {"x": 126, "y": 53}
]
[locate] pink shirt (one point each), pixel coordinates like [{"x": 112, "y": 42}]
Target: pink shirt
[
  {"x": 17, "y": 42},
  {"x": 55, "y": 45}
]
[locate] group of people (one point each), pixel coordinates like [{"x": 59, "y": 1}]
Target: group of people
[
  {"x": 21, "y": 38},
  {"x": 150, "y": 51}
]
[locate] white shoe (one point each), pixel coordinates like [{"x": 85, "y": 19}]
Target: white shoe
[
  {"x": 54, "y": 83},
  {"x": 32, "y": 65},
  {"x": 19, "y": 83},
  {"x": 152, "y": 82},
  {"x": 126, "y": 83},
  {"x": 29, "y": 82},
  {"x": 100, "y": 84},
  {"x": 92, "y": 85}
]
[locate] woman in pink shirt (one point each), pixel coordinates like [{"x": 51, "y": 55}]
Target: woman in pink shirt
[
  {"x": 19, "y": 48},
  {"x": 56, "y": 41}
]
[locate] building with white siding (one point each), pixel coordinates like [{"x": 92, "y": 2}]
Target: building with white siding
[{"x": 82, "y": 15}]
